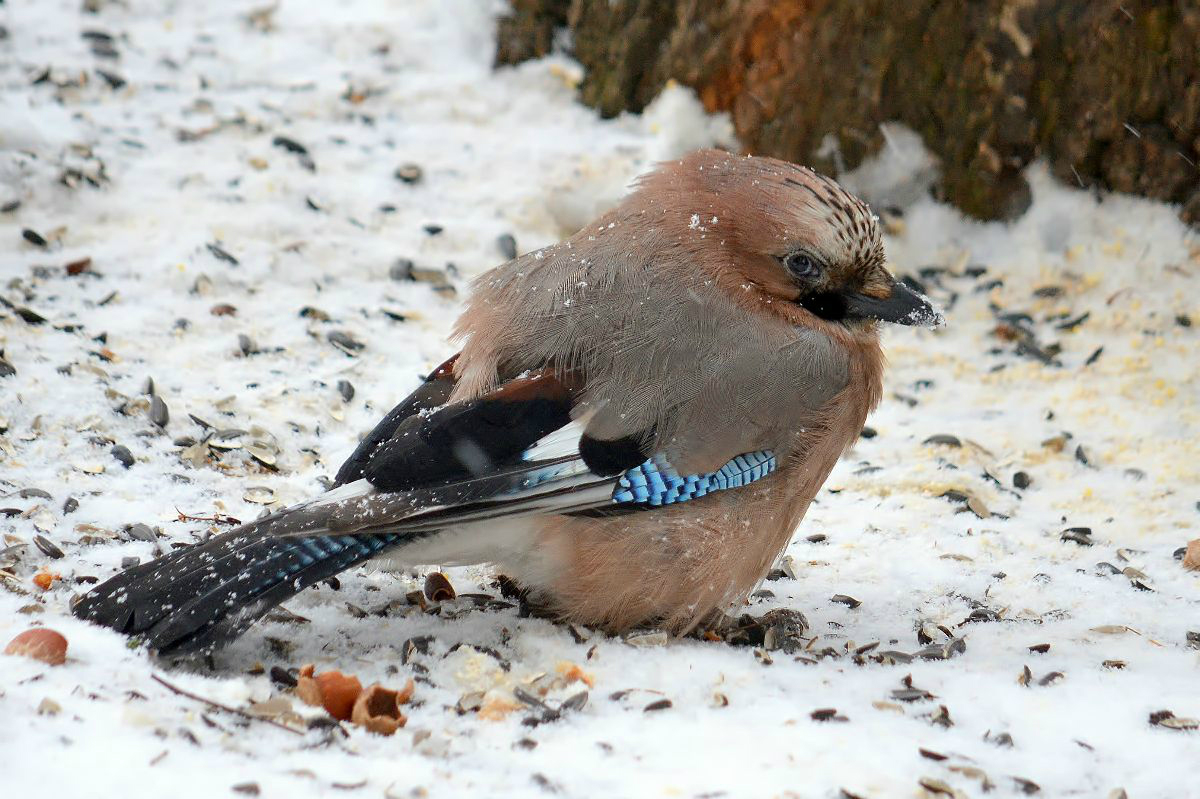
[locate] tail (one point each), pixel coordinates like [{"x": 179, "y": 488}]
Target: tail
[{"x": 204, "y": 596}]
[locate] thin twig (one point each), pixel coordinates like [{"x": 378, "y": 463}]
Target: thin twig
[{"x": 219, "y": 706}]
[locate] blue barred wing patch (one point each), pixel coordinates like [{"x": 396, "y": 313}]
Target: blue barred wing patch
[{"x": 656, "y": 482}]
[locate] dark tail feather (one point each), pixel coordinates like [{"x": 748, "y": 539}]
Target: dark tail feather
[{"x": 204, "y": 596}]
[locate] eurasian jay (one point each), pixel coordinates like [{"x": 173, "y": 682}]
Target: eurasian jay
[{"x": 637, "y": 421}]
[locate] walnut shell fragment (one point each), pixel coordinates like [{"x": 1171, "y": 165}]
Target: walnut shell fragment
[
  {"x": 41, "y": 644},
  {"x": 378, "y": 708},
  {"x": 438, "y": 587},
  {"x": 332, "y": 690},
  {"x": 1191, "y": 558}
]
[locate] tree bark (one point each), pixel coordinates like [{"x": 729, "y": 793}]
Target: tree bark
[{"x": 1107, "y": 91}]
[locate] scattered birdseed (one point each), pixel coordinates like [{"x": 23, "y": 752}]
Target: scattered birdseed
[
  {"x": 159, "y": 413},
  {"x": 401, "y": 269},
  {"x": 122, "y": 454},
  {"x": 1168, "y": 720},
  {"x": 293, "y": 146},
  {"x": 1078, "y": 535},
  {"x": 259, "y": 495},
  {"x": 507, "y": 245},
  {"x": 408, "y": 173},
  {"x": 34, "y": 238},
  {"x": 345, "y": 342},
  {"x": 48, "y": 548},
  {"x": 221, "y": 254},
  {"x": 827, "y": 714}
]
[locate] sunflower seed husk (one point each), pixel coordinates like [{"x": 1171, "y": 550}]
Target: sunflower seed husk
[
  {"x": 227, "y": 439},
  {"x": 1167, "y": 719},
  {"x": 159, "y": 413},
  {"x": 401, "y": 269},
  {"x": 141, "y": 532},
  {"x": 647, "y": 639},
  {"x": 938, "y": 787},
  {"x": 507, "y": 245},
  {"x": 196, "y": 454},
  {"x": 122, "y": 454},
  {"x": 345, "y": 342},
  {"x": 259, "y": 495},
  {"x": 261, "y": 453},
  {"x": 48, "y": 548},
  {"x": 469, "y": 703},
  {"x": 1078, "y": 535}
]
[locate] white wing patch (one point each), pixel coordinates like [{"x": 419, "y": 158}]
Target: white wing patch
[
  {"x": 563, "y": 442},
  {"x": 359, "y": 488}
]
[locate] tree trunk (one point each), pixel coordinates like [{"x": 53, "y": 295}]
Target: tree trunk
[{"x": 1107, "y": 91}]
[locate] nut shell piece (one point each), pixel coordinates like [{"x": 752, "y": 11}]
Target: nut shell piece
[{"x": 41, "y": 644}]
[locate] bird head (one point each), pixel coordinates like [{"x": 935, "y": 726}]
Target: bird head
[{"x": 795, "y": 234}]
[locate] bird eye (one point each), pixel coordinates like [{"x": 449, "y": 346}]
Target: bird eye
[{"x": 801, "y": 264}]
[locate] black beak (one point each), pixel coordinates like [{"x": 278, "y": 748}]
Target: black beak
[{"x": 903, "y": 307}]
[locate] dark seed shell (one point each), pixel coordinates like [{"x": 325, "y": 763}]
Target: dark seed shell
[
  {"x": 401, "y": 270},
  {"x": 345, "y": 342},
  {"x": 123, "y": 455},
  {"x": 159, "y": 413},
  {"x": 1079, "y": 535},
  {"x": 507, "y": 245},
  {"x": 221, "y": 254},
  {"x": 34, "y": 238},
  {"x": 47, "y": 547}
]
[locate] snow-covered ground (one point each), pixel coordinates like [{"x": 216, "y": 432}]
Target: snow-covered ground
[{"x": 198, "y": 205}]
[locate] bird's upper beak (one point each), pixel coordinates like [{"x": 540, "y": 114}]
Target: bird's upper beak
[{"x": 902, "y": 306}]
